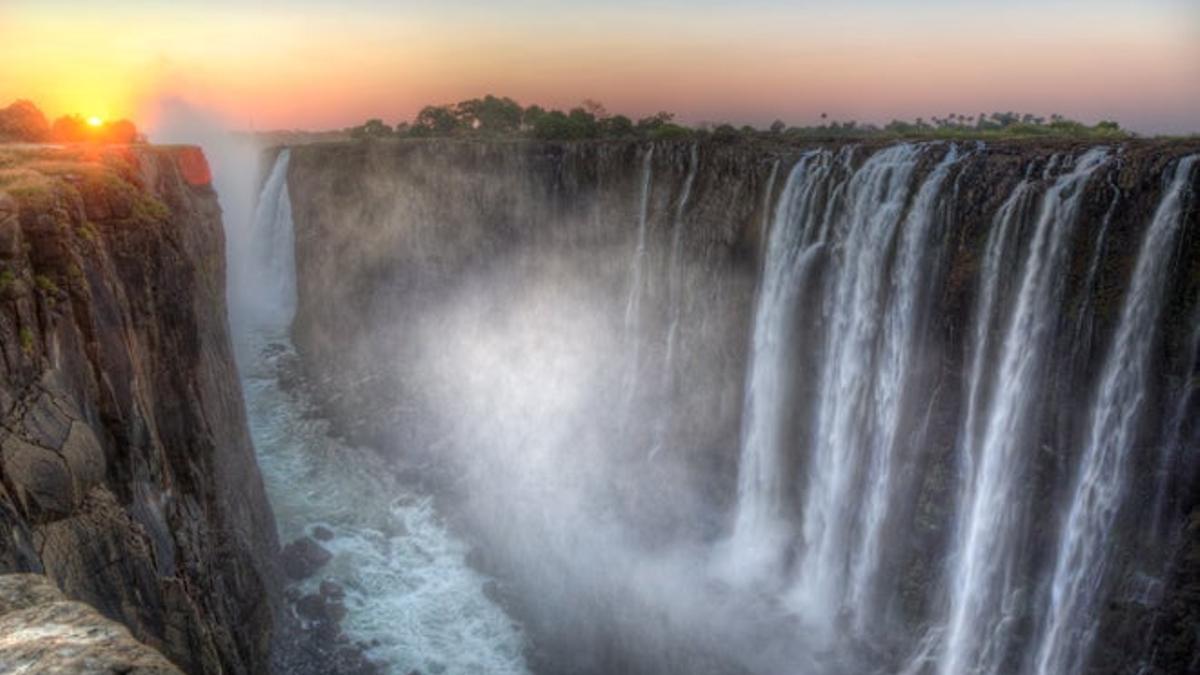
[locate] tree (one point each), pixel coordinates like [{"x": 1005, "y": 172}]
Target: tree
[
  {"x": 69, "y": 129},
  {"x": 435, "y": 120},
  {"x": 490, "y": 115},
  {"x": 595, "y": 107},
  {"x": 22, "y": 121},
  {"x": 531, "y": 115},
  {"x": 655, "y": 121},
  {"x": 372, "y": 128},
  {"x": 778, "y": 126},
  {"x": 585, "y": 121},
  {"x": 120, "y": 131},
  {"x": 725, "y": 133},
  {"x": 617, "y": 126}
]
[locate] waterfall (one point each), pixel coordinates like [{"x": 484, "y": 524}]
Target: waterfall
[
  {"x": 674, "y": 304},
  {"x": 675, "y": 301},
  {"x": 1083, "y": 547},
  {"x": 876, "y": 196},
  {"x": 758, "y": 536},
  {"x": 633, "y": 303},
  {"x": 267, "y": 294},
  {"x": 984, "y": 588},
  {"x": 907, "y": 280},
  {"x": 409, "y": 593}
]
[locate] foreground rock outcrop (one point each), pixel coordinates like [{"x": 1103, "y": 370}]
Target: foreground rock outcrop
[
  {"x": 42, "y": 631},
  {"x": 127, "y": 475}
]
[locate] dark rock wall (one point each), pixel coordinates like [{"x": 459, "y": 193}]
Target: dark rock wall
[{"x": 128, "y": 476}]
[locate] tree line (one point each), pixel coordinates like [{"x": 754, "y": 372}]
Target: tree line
[
  {"x": 24, "y": 122},
  {"x": 499, "y": 117}
]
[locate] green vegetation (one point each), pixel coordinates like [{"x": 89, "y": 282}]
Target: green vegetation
[
  {"x": 502, "y": 117},
  {"x": 26, "y": 340},
  {"x": 7, "y": 279},
  {"x": 88, "y": 231},
  {"x": 46, "y": 284}
]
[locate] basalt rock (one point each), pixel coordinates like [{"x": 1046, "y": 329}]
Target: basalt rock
[
  {"x": 42, "y": 631},
  {"x": 127, "y": 475},
  {"x": 303, "y": 557}
]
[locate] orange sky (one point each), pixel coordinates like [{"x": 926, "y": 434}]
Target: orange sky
[{"x": 322, "y": 64}]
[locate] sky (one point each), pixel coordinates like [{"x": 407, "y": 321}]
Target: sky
[{"x": 319, "y": 64}]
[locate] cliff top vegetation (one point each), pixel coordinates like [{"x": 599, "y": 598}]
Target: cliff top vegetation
[
  {"x": 24, "y": 122},
  {"x": 503, "y": 117}
]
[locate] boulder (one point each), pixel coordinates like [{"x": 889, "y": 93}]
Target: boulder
[{"x": 303, "y": 557}]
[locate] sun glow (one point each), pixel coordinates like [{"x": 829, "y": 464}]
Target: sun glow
[{"x": 94, "y": 121}]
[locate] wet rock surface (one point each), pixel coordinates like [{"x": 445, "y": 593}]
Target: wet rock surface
[{"x": 303, "y": 557}]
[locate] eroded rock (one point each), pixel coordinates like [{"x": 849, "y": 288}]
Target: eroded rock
[{"x": 42, "y": 632}]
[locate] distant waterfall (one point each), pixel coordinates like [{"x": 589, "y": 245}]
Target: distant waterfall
[
  {"x": 268, "y": 295},
  {"x": 984, "y": 586},
  {"x": 633, "y": 303},
  {"x": 1080, "y": 564},
  {"x": 675, "y": 292},
  {"x": 410, "y": 594}
]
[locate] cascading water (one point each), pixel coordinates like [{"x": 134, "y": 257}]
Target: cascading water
[
  {"x": 1080, "y": 565},
  {"x": 673, "y": 280},
  {"x": 897, "y": 344},
  {"x": 674, "y": 301},
  {"x": 842, "y": 446},
  {"x": 267, "y": 269},
  {"x": 984, "y": 588},
  {"x": 875, "y": 239},
  {"x": 409, "y": 592},
  {"x": 633, "y": 303},
  {"x": 759, "y": 534}
]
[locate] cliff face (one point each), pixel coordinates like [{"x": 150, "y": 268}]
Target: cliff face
[
  {"x": 648, "y": 258},
  {"x": 128, "y": 477}
]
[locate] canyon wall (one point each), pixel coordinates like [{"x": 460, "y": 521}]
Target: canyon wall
[
  {"x": 438, "y": 279},
  {"x": 128, "y": 476}
]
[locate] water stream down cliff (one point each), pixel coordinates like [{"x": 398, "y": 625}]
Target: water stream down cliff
[{"x": 928, "y": 408}]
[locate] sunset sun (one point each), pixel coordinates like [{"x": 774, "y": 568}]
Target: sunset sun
[{"x": 94, "y": 121}]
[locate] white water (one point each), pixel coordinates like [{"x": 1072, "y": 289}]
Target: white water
[
  {"x": 759, "y": 535},
  {"x": 265, "y": 293},
  {"x": 410, "y": 592},
  {"x": 984, "y": 592},
  {"x": 876, "y": 195},
  {"x": 633, "y": 304},
  {"x": 899, "y": 334},
  {"x": 1083, "y": 549},
  {"x": 674, "y": 282}
]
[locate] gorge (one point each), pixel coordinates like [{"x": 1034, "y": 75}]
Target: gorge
[
  {"x": 694, "y": 406},
  {"x": 725, "y": 407}
]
